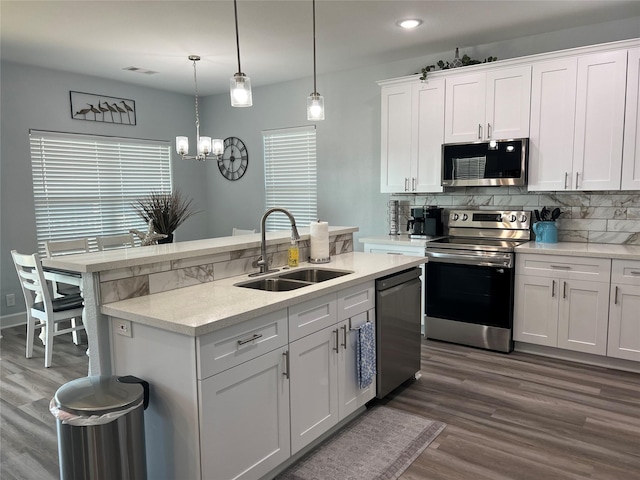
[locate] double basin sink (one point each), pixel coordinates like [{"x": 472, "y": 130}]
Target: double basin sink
[{"x": 292, "y": 280}]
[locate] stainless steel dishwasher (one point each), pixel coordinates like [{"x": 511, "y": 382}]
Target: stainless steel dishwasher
[{"x": 398, "y": 335}]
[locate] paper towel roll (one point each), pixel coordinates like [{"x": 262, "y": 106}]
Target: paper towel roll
[{"x": 319, "y": 233}]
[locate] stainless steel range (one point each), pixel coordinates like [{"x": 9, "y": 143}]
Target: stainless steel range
[{"x": 470, "y": 278}]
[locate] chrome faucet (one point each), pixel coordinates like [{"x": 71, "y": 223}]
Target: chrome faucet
[{"x": 263, "y": 261}]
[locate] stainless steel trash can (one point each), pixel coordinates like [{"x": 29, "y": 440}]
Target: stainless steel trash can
[{"x": 100, "y": 423}]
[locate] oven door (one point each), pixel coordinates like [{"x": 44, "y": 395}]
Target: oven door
[{"x": 477, "y": 290}]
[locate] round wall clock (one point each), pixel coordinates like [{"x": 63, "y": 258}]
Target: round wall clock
[{"x": 235, "y": 159}]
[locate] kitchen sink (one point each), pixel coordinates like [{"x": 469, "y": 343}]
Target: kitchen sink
[
  {"x": 314, "y": 275},
  {"x": 293, "y": 280},
  {"x": 273, "y": 284}
]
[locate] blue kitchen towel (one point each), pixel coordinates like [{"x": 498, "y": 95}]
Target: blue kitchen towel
[{"x": 366, "y": 352}]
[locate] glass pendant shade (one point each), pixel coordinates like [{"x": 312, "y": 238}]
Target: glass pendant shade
[
  {"x": 240, "y": 91},
  {"x": 217, "y": 146},
  {"x": 182, "y": 145},
  {"x": 315, "y": 107},
  {"x": 204, "y": 146}
]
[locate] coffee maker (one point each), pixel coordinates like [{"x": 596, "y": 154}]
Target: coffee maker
[{"x": 425, "y": 222}]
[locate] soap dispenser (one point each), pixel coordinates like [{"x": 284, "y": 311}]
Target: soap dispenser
[{"x": 294, "y": 254}]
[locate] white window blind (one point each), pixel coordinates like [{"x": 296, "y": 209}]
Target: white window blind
[
  {"x": 84, "y": 185},
  {"x": 290, "y": 175}
]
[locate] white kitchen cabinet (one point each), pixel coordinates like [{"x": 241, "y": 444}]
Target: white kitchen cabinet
[
  {"x": 624, "y": 312},
  {"x": 244, "y": 418},
  {"x": 631, "y": 145},
  {"x": 492, "y": 105},
  {"x": 562, "y": 302},
  {"x": 577, "y": 121},
  {"x": 324, "y": 384},
  {"x": 412, "y": 133}
]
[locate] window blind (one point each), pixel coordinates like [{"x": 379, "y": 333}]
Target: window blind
[
  {"x": 290, "y": 175},
  {"x": 83, "y": 185}
]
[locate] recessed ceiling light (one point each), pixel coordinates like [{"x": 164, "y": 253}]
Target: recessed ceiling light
[
  {"x": 140, "y": 70},
  {"x": 409, "y": 23}
]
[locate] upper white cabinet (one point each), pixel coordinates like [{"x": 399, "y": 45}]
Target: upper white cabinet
[
  {"x": 631, "y": 147},
  {"x": 491, "y": 105},
  {"x": 412, "y": 134},
  {"x": 577, "y": 122}
]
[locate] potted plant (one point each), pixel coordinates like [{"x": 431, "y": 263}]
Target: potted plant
[{"x": 167, "y": 211}]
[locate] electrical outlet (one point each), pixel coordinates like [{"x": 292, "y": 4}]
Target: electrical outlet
[
  {"x": 11, "y": 299},
  {"x": 123, "y": 327}
]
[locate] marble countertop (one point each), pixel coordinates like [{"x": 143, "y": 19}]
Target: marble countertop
[
  {"x": 398, "y": 240},
  {"x": 577, "y": 249},
  {"x": 133, "y": 257},
  {"x": 207, "y": 307}
]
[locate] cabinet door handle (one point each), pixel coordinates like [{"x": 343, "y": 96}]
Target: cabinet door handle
[
  {"x": 561, "y": 267},
  {"x": 577, "y": 176},
  {"x": 344, "y": 336},
  {"x": 336, "y": 348},
  {"x": 553, "y": 288},
  {"x": 254, "y": 337},
  {"x": 406, "y": 184},
  {"x": 286, "y": 364},
  {"x": 488, "y": 130},
  {"x": 566, "y": 177},
  {"x": 615, "y": 297},
  {"x": 413, "y": 184},
  {"x": 564, "y": 289},
  {"x": 479, "y": 131}
]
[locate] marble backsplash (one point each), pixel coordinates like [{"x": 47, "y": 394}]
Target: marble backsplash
[
  {"x": 159, "y": 277},
  {"x": 595, "y": 217}
]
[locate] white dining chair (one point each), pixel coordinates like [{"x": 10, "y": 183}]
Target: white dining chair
[
  {"x": 109, "y": 242},
  {"x": 240, "y": 231},
  {"x": 41, "y": 307},
  {"x": 56, "y": 248}
]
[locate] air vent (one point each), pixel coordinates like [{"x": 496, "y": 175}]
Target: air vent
[{"x": 140, "y": 70}]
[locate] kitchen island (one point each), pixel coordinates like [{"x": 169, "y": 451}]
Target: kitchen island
[{"x": 243, "y": 381}]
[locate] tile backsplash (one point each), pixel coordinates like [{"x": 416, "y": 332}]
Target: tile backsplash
[{"x": 595, "y": 217}]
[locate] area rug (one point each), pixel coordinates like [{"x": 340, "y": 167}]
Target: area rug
[{"x": 379, "y": 444}]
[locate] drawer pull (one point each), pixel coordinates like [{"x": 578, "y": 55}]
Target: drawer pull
[
  {"x": 634, "y": 272},
  {"x": 286, "y": 363},
  {"x": 255, "y": 337},
  {"x": 561, "y": 267}
]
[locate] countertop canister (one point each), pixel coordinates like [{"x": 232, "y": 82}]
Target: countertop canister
[{"x": 319, "y": 235}]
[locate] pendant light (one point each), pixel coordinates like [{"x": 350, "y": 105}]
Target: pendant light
[
  {"x": 315, "y": 101},
  {"x": 240, "y": 84},
  {"x": 205, "y": 146}
]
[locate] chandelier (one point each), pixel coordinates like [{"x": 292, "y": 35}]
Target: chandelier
[{"x": 205, "y": 146}]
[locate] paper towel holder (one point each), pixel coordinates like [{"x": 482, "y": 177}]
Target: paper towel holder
[{"x": 319, "y": 260}]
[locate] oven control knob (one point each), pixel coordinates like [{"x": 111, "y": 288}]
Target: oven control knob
[
  {"x": 512, "y": 218},
  {"x": 523, "y": 218},
  {"x": 464, "y": 216},
  {"x": 455, "y": 216}
]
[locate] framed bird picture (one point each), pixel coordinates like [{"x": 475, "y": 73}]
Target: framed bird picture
[{"x": 101, "y": 108}]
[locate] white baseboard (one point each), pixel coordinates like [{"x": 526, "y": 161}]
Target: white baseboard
[
  {"x": 7, "y": 321},
  {"x": 587, "y": 358}
]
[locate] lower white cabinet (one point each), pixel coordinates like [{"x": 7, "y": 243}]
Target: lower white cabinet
[
  {"x": 324, "y": 381},
  {"x": 562, "y": 302},
  {"x": 244, "y": 418},
  {"x": 624, "y": 311}
]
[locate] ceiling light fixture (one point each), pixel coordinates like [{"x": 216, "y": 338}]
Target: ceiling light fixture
[
  {"x": 409, "y": 23},
  {"x": 206, "y": 147},
  {"x": 315, "y": 101},
  {"x": 240, "y": 83}
]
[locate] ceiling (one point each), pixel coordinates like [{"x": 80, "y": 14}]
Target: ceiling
[{"x": 101, "y": 38}]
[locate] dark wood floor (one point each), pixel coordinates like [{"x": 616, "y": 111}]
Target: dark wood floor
[{"x": 513, "y": 416}]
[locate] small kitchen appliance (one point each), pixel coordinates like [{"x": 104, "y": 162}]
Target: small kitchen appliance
[
  {"x": 425, "y": 222},
  {"x": 470, "y": 278}
]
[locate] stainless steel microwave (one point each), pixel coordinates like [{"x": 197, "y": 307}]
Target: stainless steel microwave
[{"x": 491, "y": 163}]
